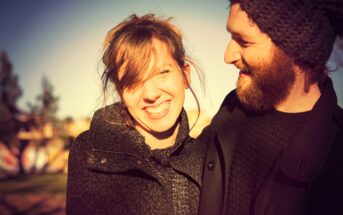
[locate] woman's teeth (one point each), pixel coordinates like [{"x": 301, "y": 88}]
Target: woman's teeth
[{"x": 158, "y": 110}]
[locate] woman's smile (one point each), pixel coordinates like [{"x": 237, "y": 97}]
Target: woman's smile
[{"x": 159, "y": 111}]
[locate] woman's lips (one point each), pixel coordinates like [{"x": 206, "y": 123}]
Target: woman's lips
[{"x": 158, "y": 111}]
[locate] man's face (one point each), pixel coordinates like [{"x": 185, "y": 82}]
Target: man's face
[{"x": 266, "y": 72}]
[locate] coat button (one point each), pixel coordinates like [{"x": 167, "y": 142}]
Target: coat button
[
  {"x": 210, "y": 165},
  {"x": 103, "y": 160}
]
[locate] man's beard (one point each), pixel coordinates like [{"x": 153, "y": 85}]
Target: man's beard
[{"x": 269, "y": 85}]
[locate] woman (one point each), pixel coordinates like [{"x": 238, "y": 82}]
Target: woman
[{"x": 137, "y": 157}]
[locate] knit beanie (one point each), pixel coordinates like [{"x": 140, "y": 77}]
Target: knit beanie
[{"x": 304, "y": 29}]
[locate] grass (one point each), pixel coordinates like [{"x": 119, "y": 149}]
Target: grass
[{"x": 35, "y": 184}]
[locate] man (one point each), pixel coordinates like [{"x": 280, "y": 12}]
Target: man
[{"x": 276, "y": 144}]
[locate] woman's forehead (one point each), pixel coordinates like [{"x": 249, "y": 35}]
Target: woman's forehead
[{"x": 159, "y": 58}]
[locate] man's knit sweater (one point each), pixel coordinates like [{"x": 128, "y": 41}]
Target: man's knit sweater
[{"x": 261, "y": 139}]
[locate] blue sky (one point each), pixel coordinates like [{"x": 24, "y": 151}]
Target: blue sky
[{"x": 63, "y": 41}]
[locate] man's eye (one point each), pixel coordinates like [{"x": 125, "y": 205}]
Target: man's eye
[{"x": 243, "y": 43}]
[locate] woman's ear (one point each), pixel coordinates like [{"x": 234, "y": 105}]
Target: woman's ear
[{"x": 187, "y": 75}]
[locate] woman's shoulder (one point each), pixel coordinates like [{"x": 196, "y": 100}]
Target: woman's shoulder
[
  {"x": 111, "y": 114},
  {"x": 107, "y": 132},
  {"x": 80, "y": 144}
]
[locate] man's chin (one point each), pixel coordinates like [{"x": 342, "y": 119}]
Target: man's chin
[
  {"x": 252, "y": 99},
  {"x": 243, "y": 82}
]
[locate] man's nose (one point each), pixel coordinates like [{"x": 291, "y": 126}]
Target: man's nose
[{"x": 232, "y": 53}]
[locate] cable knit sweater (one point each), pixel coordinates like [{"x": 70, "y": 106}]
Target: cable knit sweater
[{"x": 113, "y": 171}]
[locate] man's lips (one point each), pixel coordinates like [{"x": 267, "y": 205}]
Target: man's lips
[{"x": 245, "y": 72}]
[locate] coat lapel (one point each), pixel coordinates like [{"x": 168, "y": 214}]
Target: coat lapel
[
  {"x": 227, "y": 141},
  {"x": 189, "y": 161},
  {"x": 220, "y": 137},
  {"x": 303, "y": 158}
]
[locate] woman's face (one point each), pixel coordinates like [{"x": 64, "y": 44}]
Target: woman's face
[{"x": 155, "y": 104}]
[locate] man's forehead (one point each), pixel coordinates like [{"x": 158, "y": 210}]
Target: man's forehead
[{"x": 239, "y": 24}]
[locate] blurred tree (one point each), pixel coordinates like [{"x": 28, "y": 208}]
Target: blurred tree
[
  {"x": 49, "y": 102},
  {"x": 9, "y": 94},
  {"x": 9, "y": 87},
  {"x": 46, "y": 105},
  {"x": 9, "y": 113},
  {"x": 44, "y": 110},
  {"x": 19, "y": 129}
]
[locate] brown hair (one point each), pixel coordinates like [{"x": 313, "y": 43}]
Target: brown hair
[{"x": 128, "y": 49}]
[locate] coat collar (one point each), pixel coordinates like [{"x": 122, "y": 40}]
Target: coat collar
[
  {"x": 119, "y": 148},
  {"x": 303, "y": 158},
  {"x": 309, "y": 149},
  {"x": 109, "y": 132}
]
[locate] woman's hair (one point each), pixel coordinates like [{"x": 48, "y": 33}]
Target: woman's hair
[{"x": 129, "y": 48}]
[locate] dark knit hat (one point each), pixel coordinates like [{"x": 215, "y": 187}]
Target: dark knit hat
[{"x": 304, "y": 29}]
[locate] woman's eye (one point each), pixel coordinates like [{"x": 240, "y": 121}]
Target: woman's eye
[{"x": 164, "y": 73}]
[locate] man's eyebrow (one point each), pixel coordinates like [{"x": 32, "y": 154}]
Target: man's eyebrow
[
  {"x": 236, "y": 35},
  {"x": 233, "y": 34}
]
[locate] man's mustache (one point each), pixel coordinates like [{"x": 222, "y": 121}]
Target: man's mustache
[{"x": 244, "y": 67}]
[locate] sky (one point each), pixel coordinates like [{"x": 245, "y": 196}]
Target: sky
[{"x": 62, "y": 40}]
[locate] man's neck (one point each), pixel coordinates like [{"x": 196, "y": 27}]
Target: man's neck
[{"x": 298, "y": 100}]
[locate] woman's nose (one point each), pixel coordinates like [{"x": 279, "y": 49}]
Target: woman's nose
[{"x": 151, "y": 91}]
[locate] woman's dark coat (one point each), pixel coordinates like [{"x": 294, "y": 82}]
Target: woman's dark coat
[
  {"x": 320, "y": 142},
  {"x": 112, "y": 171}
]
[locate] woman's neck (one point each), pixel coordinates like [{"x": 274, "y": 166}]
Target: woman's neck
[{"x": 160, "y": 140}]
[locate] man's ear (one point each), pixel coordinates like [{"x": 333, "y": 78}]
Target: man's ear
[{"x": 187, "y": 75}]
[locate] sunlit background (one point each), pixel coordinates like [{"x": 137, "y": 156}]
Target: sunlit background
[{"x": 61, "y": 42}]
